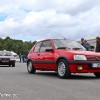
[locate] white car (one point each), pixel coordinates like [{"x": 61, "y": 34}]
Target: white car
[
  {"x": 6, "y": 58},
  {"x": 17, "y": 59}
]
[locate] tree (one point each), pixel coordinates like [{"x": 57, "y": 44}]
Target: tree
[{"x": 17, "y": 46}]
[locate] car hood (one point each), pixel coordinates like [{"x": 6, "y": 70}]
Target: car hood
[
  {"x": 91, "y": 53},
  {"x": 6, "y": 57}
]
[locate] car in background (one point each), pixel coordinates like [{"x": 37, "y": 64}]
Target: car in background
[
  {"x": 17, "y": 59},
  {"x": 6, "y": 58},
  {"x": 63, "y": 56}
]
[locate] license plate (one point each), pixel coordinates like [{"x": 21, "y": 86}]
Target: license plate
[
  {"x": 5, "y": 61},
  {"x": 96, "y": 65}
]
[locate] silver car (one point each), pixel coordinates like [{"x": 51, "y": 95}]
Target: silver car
[{"x": 6, "y": 58}]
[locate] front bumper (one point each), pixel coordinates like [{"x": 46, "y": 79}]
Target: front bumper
[{"x": 86, "y": 66}]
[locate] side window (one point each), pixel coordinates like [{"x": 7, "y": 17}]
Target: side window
[
  {"x": 45, "y": 45},
  {"x": 37, "y": 47}
]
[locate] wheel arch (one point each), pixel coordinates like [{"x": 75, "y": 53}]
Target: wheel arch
[
  {"x": 29, "y": 60},
  {"x": 67, "y": 72},
  {"x": 62, "y": 57}
]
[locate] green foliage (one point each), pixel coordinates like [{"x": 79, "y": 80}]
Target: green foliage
[{"x": 17, "y": 46}]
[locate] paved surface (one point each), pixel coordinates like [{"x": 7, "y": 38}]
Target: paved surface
[{"x": 17, "y": 84}]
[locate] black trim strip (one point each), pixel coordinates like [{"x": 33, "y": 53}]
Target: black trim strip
[
  {"x": 69, "y": 61},
  {"x": 82, "y": 61},
  {"x": 44, "y": 62}
]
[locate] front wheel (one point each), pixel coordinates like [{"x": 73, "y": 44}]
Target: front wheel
[
  {"x": 9, "y": 65},
  {"x": 13, "y": 65},
  {"x": 63, "y": 69},
  {"x": 30, "y": 67},
  {"x": 97, "y": 75}
]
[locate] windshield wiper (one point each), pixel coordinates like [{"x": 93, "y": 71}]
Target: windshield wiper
[
  {"x": 63, "y": 48},
  {"x": 77, "y": 48}
]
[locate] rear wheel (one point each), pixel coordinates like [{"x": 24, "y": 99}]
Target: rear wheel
[
  {"x": 63, "y": 69},
  {"x": 97, "y": 75},
  {"x": 30, "y": 67}
]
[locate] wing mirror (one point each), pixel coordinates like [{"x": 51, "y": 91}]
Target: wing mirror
[{"x": 49, "y": 50}]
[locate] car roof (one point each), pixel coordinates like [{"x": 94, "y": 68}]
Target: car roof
[{"x": 51, "y": 39}]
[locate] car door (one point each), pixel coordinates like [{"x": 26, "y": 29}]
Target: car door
[
  {"x": 35, "y": 54},
  {"x": 46, "y": 55}
]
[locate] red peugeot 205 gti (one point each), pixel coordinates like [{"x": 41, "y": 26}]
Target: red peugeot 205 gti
[{"x": 63, "y": 56}]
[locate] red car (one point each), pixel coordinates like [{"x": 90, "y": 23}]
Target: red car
[{"x": 63, "y": 56}]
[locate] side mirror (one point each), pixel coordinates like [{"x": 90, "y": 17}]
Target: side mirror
[{"x": 48, "y": 50}]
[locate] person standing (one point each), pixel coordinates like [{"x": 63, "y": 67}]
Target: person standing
[
  {"x": 82, "y": 41},
  {"x": 23, "y": 57},
  {"x": 20, "y": 57},
  {"x": 85, "y": 44},
  {"x": 97, "y": 44}
]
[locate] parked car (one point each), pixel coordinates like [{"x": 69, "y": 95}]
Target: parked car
[
  {"x": 6, "y": 58},
  {"x": 17, "y": 59},
  {"x": 64, "y": 57}
]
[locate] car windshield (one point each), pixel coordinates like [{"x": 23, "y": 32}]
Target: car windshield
[
  {"x": 5, "y": 53},
  {"x": 67, "y": 44}
]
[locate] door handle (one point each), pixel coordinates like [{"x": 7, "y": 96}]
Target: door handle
[{"x": 38, "y": 54}]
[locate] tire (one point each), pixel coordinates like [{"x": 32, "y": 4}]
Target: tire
[
  {"x": 30, "y": 67},
  {"x": 97, "y": 75},
  {"x": 13, "y": 65},
  {"x": 63, "y": 69},
  {"x": 9, "y": 65}
]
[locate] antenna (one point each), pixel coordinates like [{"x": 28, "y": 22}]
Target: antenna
[{"x": 61, "y": 36}]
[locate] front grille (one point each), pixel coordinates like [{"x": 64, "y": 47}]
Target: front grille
[
  {"x": 94, "y": 58},
  {"x": 4, "y": 59}
]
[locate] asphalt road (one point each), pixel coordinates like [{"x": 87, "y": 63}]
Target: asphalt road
[{"x": 17, "y": 84}]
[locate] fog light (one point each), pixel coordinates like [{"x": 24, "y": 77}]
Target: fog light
[{"x": 79, "y": 68}]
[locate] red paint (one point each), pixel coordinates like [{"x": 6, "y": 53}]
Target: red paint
[{"x": 47, "y": 60}]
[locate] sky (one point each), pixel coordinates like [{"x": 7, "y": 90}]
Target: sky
[{"x": 41, "y": 19}]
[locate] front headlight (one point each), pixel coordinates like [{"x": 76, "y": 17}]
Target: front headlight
[{"x": 80, "y": 57}]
